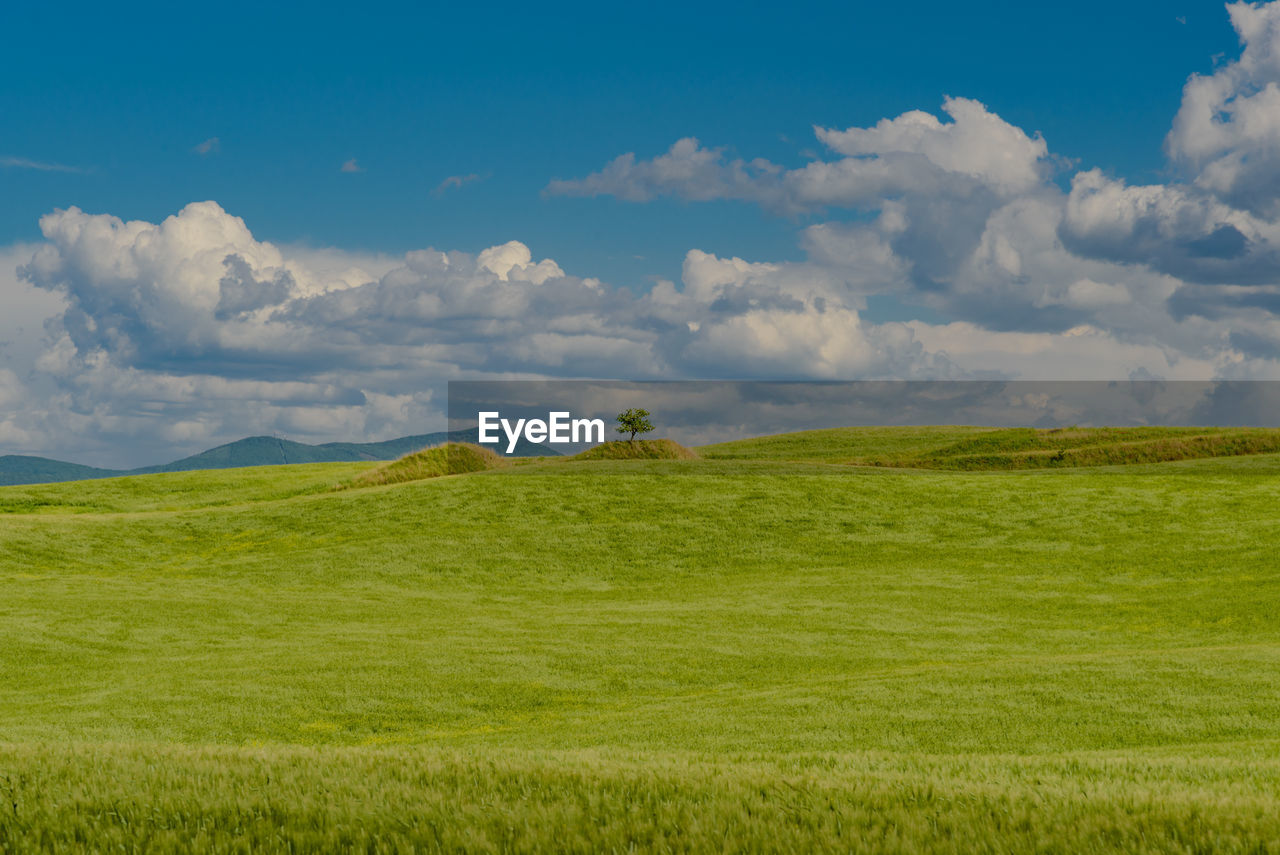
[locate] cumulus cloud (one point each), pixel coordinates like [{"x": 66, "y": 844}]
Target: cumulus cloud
[
  {"x": 915, "y": 153},
  {"x": 1173, "y": 229},
  {"x": 1227, "y": 130},
  {"x": 977, "y": 143}
]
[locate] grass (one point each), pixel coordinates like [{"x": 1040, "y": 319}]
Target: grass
[
  {"x": 426, "y": 800},
  {"x": 972, "y": 449},
  {"x": 452, "y": 458},
  {"x": 840, "y": 445},
  {"x": 212, "y": 488},
  {"x": 641, "y": 449},
  {"x": 714, "y": 654}
]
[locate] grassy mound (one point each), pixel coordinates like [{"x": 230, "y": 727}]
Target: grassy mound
[
  {"x": 642, "y": 449},
  {"x": 452, "y": 458},
  {"x": 973, "y": 448}
]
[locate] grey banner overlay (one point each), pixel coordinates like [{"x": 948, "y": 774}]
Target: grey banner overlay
[{"x": 699, "y": 412}]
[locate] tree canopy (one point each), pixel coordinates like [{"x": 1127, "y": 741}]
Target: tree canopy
[{"x": 633, "y": 421}]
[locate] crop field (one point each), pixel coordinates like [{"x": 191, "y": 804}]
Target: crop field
[{"x": 884, "y": 640}]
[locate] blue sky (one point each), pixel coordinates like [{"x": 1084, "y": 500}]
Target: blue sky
[
  {"x": 520, "y": 95},
  {"x": 218, "y": 223}
]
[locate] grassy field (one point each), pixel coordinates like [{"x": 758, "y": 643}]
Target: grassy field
[{"x": 763, "y": 649}]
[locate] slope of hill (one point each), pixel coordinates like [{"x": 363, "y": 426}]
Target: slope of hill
[
  {"x": 726, "y": 655},
  {"x": 982, "y": 448},
  {"x": 271, "y": 451},
  {"x": 454, "y": 458},
  {"x": 251, "y": 451}
]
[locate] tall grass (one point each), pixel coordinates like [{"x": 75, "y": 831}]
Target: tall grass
[
  {"x": 640, "y": 449},
  {"x": 452, "y": 458},
  {"x": 276, "y": 799},
  {"x": 1032, "y": 449}
]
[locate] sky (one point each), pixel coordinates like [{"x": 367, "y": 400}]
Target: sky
[{"x": 305, "y": 220}]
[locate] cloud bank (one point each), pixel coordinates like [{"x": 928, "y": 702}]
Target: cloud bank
[{"x": 171, "y": 336}]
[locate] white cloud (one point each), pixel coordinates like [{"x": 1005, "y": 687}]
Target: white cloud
[
  {"x": 11, "y": 388},
  {"x": 512, "y": 261},
  {"x": 7, "y": 162},
  {"x": 1227, "y": 130},
  {"x": 1083, "y": 352},
  {"x": 1087, "y": 294},
  {"x": 686, "y": 170},
  {"x": 456, "y": 181},
  {"x": 212, "y": 145},
  {"x": 913, "y": 154},
  {"x": 977, "y": 143},
  {"x": 351, "y": 166},
  {"x": 1172, "y": 228},
  {"x": 26, "y": 308}
]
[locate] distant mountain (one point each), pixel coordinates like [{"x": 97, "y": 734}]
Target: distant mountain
[
  {"x": 251, "y": 451},
  {"x": 259, "y": 451},
  {"x": 20, "y": 469}
]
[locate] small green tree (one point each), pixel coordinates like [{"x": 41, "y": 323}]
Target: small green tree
[{"x": 634, "y": 421}]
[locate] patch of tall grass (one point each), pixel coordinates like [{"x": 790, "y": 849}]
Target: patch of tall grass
[
  {"x": 640, "y": 449},
  {"x": 147, "y": 798},
  {"x": 977, "y": 449},
  {"x": 452, "y": 458}
]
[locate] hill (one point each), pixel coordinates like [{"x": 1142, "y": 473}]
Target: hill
[
  {"x": 452, "y": 458},
  {"x": 251, "y": 451},
  {"x": 716, "y": 654},
  {"x": 978, "y": 448},
  {"x": 22, "y": 469}
]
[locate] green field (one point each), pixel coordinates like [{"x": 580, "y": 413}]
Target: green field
[{"x": 765, "y": 649}]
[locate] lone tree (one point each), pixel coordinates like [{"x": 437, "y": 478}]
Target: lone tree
[{"x": 634, "y": 421}]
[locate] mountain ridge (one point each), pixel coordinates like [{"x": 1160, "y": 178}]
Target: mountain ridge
[{"x": 18, "y": 469}]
